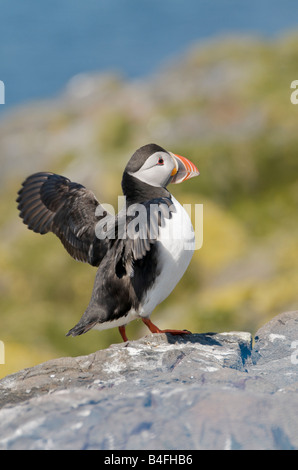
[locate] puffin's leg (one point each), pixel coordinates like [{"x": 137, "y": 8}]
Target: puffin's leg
[
  {"x": 154, "y": 329},
  {"x": 122, "y": 332}
]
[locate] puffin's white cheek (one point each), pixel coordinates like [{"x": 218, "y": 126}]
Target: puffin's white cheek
[{"x": 155, "y": 176}]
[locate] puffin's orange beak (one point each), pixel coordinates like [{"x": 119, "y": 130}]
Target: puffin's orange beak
[{"x": 184, "y": 169}]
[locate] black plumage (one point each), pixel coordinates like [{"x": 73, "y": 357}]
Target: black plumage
[{"x": 52, "y": 203}]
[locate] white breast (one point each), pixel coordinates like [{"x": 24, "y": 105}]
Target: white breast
[{"x": 176, "y": 248}]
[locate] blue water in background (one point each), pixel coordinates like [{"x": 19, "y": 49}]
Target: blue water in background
[{"x": 45, "y": 43}]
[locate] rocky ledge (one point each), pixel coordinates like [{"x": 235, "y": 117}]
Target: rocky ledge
[{"x": 200, "y": 391}]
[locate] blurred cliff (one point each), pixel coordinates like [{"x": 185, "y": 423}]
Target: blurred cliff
[{"x": 226, "y": 106}]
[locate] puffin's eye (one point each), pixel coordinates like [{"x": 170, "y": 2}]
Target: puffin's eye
[{"x": 160, "y": 161}]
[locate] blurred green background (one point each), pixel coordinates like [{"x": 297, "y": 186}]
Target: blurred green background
[{"x": 224, "y": 104}]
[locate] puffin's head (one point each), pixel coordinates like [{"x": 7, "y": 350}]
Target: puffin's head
[{"x": 155, "y": 166}]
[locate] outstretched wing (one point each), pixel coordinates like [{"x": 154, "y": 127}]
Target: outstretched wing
[{"x": 52, "y": 203}]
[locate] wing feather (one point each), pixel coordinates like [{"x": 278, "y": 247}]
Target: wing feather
[
  {"x": 52, "y": 203},
  {"x": 136, "y": 247}
]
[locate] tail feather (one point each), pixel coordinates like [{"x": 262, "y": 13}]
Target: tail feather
[{"x": 81, "y": 328}]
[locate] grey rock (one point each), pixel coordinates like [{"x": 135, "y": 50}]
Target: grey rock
[{"x": 200, "y": 391}]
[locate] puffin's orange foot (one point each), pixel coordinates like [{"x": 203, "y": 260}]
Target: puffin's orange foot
[
  {"x": 123, "y": 333},
  {"x": 154, "y": 329}
]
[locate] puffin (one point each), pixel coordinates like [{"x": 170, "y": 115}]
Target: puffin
[{"x": 141, "y": 253}]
